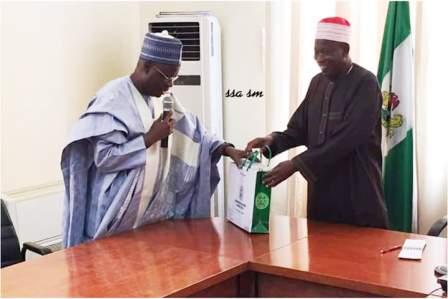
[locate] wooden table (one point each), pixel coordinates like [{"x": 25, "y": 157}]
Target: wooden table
[{"x": 212, "y": 257}]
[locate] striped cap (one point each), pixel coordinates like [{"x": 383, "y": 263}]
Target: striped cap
[
  {"x": 335, "y": 28},
  {"x": 161, "y": 48}
]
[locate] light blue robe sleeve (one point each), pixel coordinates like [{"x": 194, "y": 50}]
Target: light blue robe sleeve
[{"x": 113, "y": 153}]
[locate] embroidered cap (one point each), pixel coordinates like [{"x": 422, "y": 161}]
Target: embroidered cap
[
  {"x": 161, "y": 48},
  {"x": 335, "y": 28}
]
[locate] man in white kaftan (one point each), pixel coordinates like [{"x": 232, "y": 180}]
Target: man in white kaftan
[{"x": 117, "y": 176}]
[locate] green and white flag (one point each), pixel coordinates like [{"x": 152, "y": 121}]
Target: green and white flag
[{"x": 396, "y": 75}]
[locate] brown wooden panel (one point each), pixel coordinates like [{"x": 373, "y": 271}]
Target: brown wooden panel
[
  {"x": 351, "y": 259},
  {"x": 276, "y": 286},
  {"x": 247, "y": 284},
  {"x": 227, "y": 288}
]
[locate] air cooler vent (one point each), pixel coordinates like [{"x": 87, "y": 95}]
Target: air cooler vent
[{"x": 187, "y": 32}]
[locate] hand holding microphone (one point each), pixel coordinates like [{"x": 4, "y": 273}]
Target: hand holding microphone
[{"x": 162, "y": 127}]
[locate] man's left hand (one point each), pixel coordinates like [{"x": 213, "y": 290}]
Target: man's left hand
[{"x": 280, "y": 173}]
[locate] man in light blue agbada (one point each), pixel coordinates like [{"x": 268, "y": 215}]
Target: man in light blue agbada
[{"x": 117, "y": 176}]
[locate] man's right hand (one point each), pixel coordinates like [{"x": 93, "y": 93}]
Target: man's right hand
[
  {"x": 161, "y": 128},
  {"x": 259, "y": 142}
]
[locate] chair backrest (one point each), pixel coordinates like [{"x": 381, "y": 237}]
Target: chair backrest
[
  {"x": 10, "y": 243},
  {"x": 437, "y": 227}
]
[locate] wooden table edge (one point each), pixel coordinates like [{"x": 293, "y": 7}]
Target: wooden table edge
[
  {"x": 355, "y": 285},
  {"x": 209, "y": 281}
]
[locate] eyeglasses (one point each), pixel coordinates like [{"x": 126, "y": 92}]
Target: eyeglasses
[{"x": 171, "y": 79}]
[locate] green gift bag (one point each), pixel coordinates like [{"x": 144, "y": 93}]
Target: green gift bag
[{"x": 249, "y": 200}]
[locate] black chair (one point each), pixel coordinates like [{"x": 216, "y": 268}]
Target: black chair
[
  {"x": 437, "y": 227},
  {"x": 11, "y": 253}
]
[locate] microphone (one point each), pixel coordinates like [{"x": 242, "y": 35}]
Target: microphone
[{"x": 167, "y": 107}]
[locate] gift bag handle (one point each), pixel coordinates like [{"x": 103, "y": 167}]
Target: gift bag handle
[{"x": 254, "y": 155}]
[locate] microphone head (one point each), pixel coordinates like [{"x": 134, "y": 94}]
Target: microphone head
[{"x": 167, "y": 103}]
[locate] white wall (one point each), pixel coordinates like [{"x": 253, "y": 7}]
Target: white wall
[
  {"x": 55, "y": 55},
  {"x": 430, "y": 117}
]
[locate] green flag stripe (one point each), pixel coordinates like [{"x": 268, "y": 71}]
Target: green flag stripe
[
  {"x": 398, "y": 184},
  {"x": 396, "y": 30}
]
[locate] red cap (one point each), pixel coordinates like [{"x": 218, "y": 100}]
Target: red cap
[
  {"x": 335, "y": 20},
  {"x": 335, "y": 29}
]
